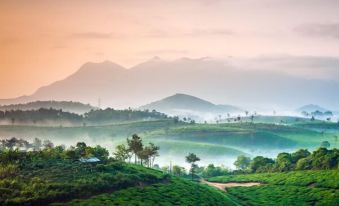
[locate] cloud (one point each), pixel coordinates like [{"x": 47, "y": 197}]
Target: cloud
[
  {"x": 158, "y": 33},
  {"x": 319, "y": 30},
  {"x": 310, "y": 67},
  {"x": 163, "y": 51},
  {"x": 93, "y": 35}
]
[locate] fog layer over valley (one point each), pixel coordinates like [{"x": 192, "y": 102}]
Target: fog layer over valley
[{"x": 219, "y": 144}]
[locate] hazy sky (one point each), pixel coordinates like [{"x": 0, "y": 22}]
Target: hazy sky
[{"x": 45, "y": 41}]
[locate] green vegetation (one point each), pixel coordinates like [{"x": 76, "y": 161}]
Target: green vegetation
[
  {"x": 175, "y": 192},
  {"x": 93, "y": 117},
  {"x": 68, "y": 106},
  {"x": 313, "y": 187},
  {"x": 299, "y": 160},
  {"x": 191, "y": 158},
  {"x": 49, "y": 174}
]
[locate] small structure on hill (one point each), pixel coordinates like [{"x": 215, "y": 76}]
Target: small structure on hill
[{"x": 89, "y": 160}]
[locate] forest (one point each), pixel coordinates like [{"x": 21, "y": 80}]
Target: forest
[{"x": 92, "y": 117}]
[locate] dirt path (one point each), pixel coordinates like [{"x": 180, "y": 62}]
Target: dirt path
[{"x": 223, "y": 186}]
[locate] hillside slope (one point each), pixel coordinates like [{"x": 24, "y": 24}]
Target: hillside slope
[{"x": 180, "y": 103}]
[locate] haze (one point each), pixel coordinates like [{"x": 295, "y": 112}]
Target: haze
[{"x": 45, "y": 41}]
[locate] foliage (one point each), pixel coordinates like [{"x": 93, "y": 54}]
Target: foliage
[
  {"x": 142, "y": 154},
  {"x": 93, "y": 117},
  {"x": 242, "y": 162},
  {"x": 213, "y": 171},
  {"x": 55, "y": 174},
  {"x": 299, "y": 160},
  {"x": 69, "y": 106},
  {"x": 191, "y": 158},
  {"x": 175, "y": 192},
  {"x": 311, "y": 187}
]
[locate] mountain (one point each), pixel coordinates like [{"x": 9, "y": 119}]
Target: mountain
[
  {"x": 68, "y": 106},
  {"x": 183, "y": 105},
  {"x": 312, "y": 108},
  {"x": 219, "y": 81}
]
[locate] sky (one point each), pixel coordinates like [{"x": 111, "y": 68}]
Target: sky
[{"x": 45, "y": 41}]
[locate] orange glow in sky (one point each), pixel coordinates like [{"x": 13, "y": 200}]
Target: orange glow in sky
[{"x": 45, "y": 41}]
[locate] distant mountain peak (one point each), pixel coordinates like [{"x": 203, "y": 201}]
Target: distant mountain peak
[
  {"x": 103, "y": 64},
  {"x": 185, "y": 102},
  {"x": 91, "y": 69},
  {"x": 155, "y": 58}
]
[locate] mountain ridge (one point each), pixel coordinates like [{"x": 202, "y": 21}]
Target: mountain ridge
[
  {"x": 178, "y": 103},
  {"x": 218, "y": 81}
]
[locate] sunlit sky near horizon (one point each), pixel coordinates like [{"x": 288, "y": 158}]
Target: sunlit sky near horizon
[{"x": 45, "y": 41}]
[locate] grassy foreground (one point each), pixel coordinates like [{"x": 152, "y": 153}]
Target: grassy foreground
[
  {"x": 290, "y": 188},
  {"x": 64, "y": 182},
  {"x": 176, "y": 192}
]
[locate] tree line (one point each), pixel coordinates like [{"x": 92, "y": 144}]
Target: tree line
[
  {"x": 144, "y": 155},
  {"x": 16, "y": 149},
  {"x": 70, "y": 106},
  {"x": 99, "y": 116},
  {"x": 302, "y": 159}
]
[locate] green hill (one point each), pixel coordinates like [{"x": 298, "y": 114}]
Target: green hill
[
  {"x": 175, "y": 192},
  {"x": 313, "y": 187},
  {"x": 178, "y": 103},
  {"x": 51, "y": 176}
]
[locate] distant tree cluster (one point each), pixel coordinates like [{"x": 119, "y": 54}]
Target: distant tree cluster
[
  {"x": 213, "y": 171},
  {"x": 302, "y": 159},
  {"x": 112, "y": 115},
  {"x": 92, "y": 117},
  {"x": 13, "y": 150},
  {"x": 144, "y": 155},
  {"x": 23, "y": 145},
  {"x": 69, "y": 106}
]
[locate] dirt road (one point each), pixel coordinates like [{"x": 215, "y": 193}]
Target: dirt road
[{"x": 223, "y": 186}]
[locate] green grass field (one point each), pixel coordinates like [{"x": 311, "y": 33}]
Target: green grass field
[{"x": 290, "y": 188}]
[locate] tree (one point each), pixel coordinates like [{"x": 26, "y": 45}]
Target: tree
[
  {"x": 165, "y": 169},
  {"x": 261, "y": 164},
  {"x": 301, "y": 153},
  {"x": 36, "y": 144},
  {"x": 48, "y": 144},
  {"x": 325, "y": 144},
  {"x": 178, "y": 171},
  {"x": 100, "y": 152},
  {"x": 212, "y": 171},
  {"x": 135, "y": 146},
  {"x": 284, "y": 162},
  {"x": 11, "y": 143},
  {"x": 191, "y": 158},
  {"x": 122, "y": 153},
  {"x": 154, "y": 152},
  {"x": 242, "y": 162},
  {"x": 304, "y": 164},
  {"x": 80, "y": 149}
]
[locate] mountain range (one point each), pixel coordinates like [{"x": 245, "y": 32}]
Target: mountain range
[{"x": 219, "y": 81}]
